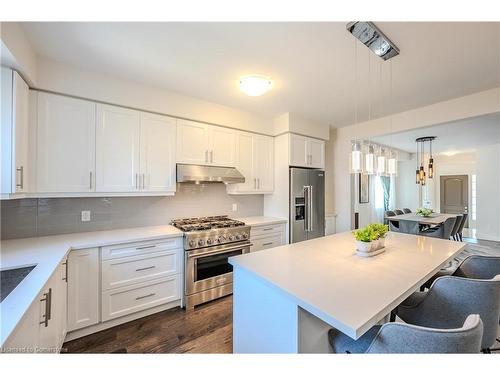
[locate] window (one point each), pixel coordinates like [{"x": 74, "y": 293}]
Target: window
[{"x": 473, "y": 196}]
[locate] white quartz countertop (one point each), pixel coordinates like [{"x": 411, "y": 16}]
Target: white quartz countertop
[
  {"x": 325, "y": 276},
  {"x": 261, "y": 220},
  {"x": 47, "y": 252}
]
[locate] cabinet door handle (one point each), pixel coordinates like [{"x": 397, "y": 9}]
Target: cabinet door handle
[
  {"x": 267, "y": 243},
  {"x": 143, "y": 181},
  {"x": 146, "y": 296},
  {"x": 136, "y": 181},
  {"x": 258, "y": 183},
  {"x": 90, "y": 180},
  {"x": 145, "y": 247},
  {"x": 211, "y": 156},
  {"x": 206, "y": 156},
  {"x": 20, "y": 185},
  {"x": 265, "y": 229},
  {"x": 65, "y": 278},
  {"x": 48, "y": 307},
  {"x": 145, "y": 268}
]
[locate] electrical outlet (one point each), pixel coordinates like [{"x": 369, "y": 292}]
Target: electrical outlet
[
  {"x": 235, "y": 207},
  {"x": 85, "y": 215}
]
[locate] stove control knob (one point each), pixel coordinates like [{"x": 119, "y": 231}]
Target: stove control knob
[
  {"x": 222, "y": 239},
  {"x": 192, "y": 243},
  {"x": 201, "y": 242},
  {"x": 245, "y": 236},
  {"x": 231, "y": 238},
  {"x": 238, "y": 236},
  {"x": 210, "y": 241}
]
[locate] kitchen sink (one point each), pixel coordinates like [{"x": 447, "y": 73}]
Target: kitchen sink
[{"x": 11, "y": 278}]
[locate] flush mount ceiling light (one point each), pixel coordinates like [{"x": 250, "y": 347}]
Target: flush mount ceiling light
[
  {"x": 255, "y": 85},
  {"x": 371, "y": 36}
]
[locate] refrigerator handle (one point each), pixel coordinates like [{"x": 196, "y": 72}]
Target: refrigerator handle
[
  {"x": 306, "y": 208},
  {"x": 310, "y": 208}
]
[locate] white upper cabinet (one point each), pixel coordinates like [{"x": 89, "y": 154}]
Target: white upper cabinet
[
  {"x": 65, "y": 144},
  {"x": 157, "y": 153},
  {"x": 204, "y": 144},
  {"x": 316, "y": 152},
  {"x": 264, "y": 160},
  {"x": 255, "y": 160},
  {"x": 192, "y": 142},
  {"x": 15, "y": 133},
  {"x": 117, "y": 149},
  {"x": 306, "y": 152},
  {"x": 221, "y": 146}
]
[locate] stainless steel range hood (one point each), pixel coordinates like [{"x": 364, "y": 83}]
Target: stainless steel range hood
[{"x": 204, "y": 173}]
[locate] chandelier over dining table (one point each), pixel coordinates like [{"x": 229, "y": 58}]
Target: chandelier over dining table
[{"x": 420, "y": 174}]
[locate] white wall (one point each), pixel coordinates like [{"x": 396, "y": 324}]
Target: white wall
[
  {"x": 488, "y": 193},
  {"x": 61, "y": 78},
  {"x": 407, "y": 192},
  {"x": 17, "y": 52}
]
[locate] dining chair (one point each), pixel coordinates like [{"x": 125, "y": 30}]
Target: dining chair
[
  {"x": 441, "y": 231},
  {"x": 398, "y": 212},
  {"x": 393, "y": 225},
  {"x": 450, "y": 300},
  {"x": 454, "y": 231},
  {"x": 475, "y": 266},
  {"x": 461, "y": 227},
  {"x": 406, "y": 210},
  {"x": 408, "y": 338}
]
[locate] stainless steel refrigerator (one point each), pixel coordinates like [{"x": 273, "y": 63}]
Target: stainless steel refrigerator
[{"x": 307, "y": 204}]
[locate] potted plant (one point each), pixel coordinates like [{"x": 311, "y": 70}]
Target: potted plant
[
  {"x": 381, "y": 230},
  {"x": 424, "y": 212},
  {"x": 365, "y": 238}
]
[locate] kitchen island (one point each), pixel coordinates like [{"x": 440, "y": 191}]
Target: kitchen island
[{"x": 287, "y": 298}]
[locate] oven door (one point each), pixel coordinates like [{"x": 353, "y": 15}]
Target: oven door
[{"x": 209, "y": 267}]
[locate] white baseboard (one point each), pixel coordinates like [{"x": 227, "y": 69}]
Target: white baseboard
[
  {"x": 487, "y": 237},
  {"x": 124, "y": 319}
]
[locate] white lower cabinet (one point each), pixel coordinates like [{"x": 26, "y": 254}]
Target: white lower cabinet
[
  {"x": 127, "y": 300},
  {"x": 267, "y": 236},
  {"x": 118, "y": 280},
  {"x": 43, "y": 327},
  {"x": 83, "y": 288}
]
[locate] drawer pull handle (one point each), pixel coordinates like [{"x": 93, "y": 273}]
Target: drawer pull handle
[
  {"x": 145, "y": 268},
  {"x": 145, "y": 247},
  {"x": 267, "y": 243},
  {"x": 146, "y": 296},
  {"x": 267, "y": 229}
]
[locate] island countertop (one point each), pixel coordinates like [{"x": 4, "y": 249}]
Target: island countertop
[{"x": 325, "y": 277}]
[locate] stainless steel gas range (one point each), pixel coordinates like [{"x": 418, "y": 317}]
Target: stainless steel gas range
[{"x": 208, "y": 243}]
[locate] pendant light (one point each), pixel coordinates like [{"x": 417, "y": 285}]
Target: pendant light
[
  {"x": 370, "y": 151},
  {"x": 356, "y": 155},
  {"x": 421, "y": 175},
  {"x": 381, "y": 160},
  {"x": 370, "y": 160},
  {"x": 431, "y": 161},
  {"x": 392, "y": 162}
]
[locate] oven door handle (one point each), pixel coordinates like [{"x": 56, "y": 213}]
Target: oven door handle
[{"x": 219, "y": 251}]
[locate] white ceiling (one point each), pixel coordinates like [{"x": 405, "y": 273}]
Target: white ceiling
[
  {"x": 311, "y": 63},
  {"x": 454, "y": 137}
]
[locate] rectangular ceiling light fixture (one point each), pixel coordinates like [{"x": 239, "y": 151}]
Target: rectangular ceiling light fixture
[{"x": 371, "y": 36}]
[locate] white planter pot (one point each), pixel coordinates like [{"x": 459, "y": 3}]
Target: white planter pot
[
  {"x": 364, "y": 247},
  {"x": 381, "y": 243}
]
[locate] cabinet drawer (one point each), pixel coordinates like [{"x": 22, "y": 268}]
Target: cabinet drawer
[
  {"x": 124, "y": 301},
  {"x": 137, "y": 248},
  {"x": 266, "y": 229},
  {"x": 267, "y": 242},
  {"x": 135, "y": 269}
]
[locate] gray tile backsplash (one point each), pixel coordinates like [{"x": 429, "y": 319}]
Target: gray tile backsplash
[{"x": 47, "y": 216}]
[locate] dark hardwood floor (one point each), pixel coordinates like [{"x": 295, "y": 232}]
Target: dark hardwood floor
[{"x": 207, "y": 329}]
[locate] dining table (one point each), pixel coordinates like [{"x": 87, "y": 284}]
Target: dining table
[{"x": 412, "y": 223}]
